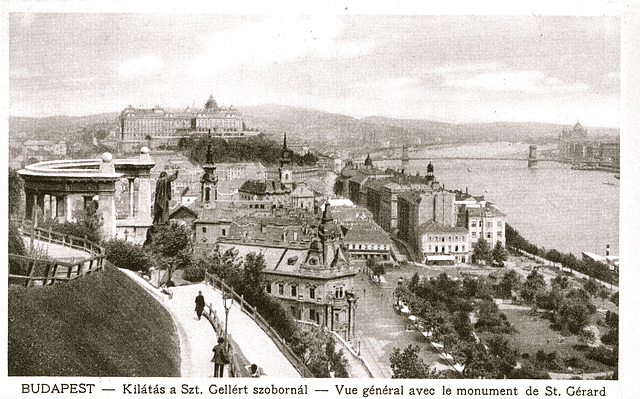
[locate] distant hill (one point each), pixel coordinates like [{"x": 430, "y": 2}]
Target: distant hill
[
  {"x": 316, "y": 127},
  {"x": 57, "y": 127}
]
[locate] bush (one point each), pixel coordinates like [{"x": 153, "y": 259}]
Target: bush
[
  {"x": 278, "y": 317},
  {"x": 16, "y": 243},
  {"x": 126, "y": 255},
  {"x": 76, "y": 229},
  {"x": 603, "y": 355},
  {"x": 193, "y": 274}
]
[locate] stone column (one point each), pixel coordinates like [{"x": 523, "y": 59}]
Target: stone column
[
  {"x": 61, "y": 202},
  {"x": 131, "y": 188},
  {"x": 68, "y": 207},
  {"x": 30, "y": 200},
  {"x": 107, "y": 210},
  {"x": 53, "y": 206},
  {"x": 40, "y": 203},
  {"x": 144, "y": 185},
  {"x": 144, "y": 197},
  {"x": 46, "y": 206}
]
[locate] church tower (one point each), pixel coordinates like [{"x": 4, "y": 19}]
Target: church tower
[
  {"x": 286, "y": 174},
  {"x": 209, "y": 180},
  {"x": 430, "y": 174}
]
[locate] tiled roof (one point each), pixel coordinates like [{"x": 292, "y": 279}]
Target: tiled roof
[
  {"x": 371, "y": 235},
  {"x": 434, "y": 227},
  {"x": 263, "y": 187},
  {"x": 486, "y": 211}
]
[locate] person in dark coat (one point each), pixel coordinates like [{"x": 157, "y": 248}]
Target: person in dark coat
[
  {"x": 220, "y": 358},
  {"x": 162, "y": 198},
  {"x": 199, "y": 304}
]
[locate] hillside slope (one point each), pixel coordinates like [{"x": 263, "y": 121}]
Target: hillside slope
[{"x": 100, "y": 325}]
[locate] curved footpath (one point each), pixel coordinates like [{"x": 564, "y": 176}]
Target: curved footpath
[{"x": 197, "y": 337}]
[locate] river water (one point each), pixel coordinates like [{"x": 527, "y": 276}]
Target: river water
[{"x": 552, "y": 206}]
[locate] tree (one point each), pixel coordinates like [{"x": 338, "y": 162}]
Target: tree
[
  {"x": 169, "y": 240},
  {"x": 482, "y": 250},
  {"x": 574, "y": 311},
  {"x": 127, "y": 255},
  {"x": 499, "y": 253},
  {"x": 510, "y": 282},
  {"x": 533, "y": 286},
  {"x": 591, "y": 287},
  {"x": 407, "y": 364},
  {"x": 253, "y": 279},
  {"x": 15, "y": 192},
  {"x": 377, "y": 269}
]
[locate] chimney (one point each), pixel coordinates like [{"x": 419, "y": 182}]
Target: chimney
[{"x": 608, "y": 250}]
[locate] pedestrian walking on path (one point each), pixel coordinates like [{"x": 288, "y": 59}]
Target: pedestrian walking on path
[
  {"x": 220, "y": 358},
  {"x": 199, "y": 304}
]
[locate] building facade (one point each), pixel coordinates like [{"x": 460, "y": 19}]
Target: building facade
[
  {"x": 157, "y": 127},
  {"x": 306, "y": 266}
]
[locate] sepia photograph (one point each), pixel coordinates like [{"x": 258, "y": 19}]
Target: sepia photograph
[{"x": 303, "y": 195}]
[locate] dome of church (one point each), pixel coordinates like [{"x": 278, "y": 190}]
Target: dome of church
[{"x": 368, "y": 161}]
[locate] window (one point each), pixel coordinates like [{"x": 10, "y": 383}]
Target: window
[
  {"x": 473, "y": 223},
  {"x": 281, "y": 289},
  {"x": 224, "y": 232},
  {"x": 499, "y": 234},
  {"x": 204, "y": 229},
  {"x": 473, "y": 234},
  {"x": 488, "y": 235},
  {"x": 312, "y": 292},
  {"x": 268, "y": 288},
  {"x": 312, "y": 314},
  {"x": 294, "y": 290},
  {"x": 499, "y": 223},
  {"x": 456, "y": 248},
  {"x": 339, "y": 292}
]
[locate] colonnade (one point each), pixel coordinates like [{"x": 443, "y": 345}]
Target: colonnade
[{"x": 52, "y": 188}]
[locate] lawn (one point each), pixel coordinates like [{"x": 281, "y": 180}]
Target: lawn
[
  {"x": 101, "y": 325},
  {"x": 534, "y": 333}
]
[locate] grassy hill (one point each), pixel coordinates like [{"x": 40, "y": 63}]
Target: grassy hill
[{"x": 100, "y": 325}]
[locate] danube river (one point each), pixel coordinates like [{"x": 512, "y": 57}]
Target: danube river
[{"x": 552, "y": 206}]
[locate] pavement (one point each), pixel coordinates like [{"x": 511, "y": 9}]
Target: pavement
[
  {"x": 197, "y": 337},
  {"x": 379, "y": 328},
  {"x": 56, "y": 251}
]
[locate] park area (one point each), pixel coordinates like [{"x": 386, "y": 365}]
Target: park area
[{"x": 556, "y": 322}]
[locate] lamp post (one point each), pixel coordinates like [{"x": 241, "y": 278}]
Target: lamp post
[{"x": 227, "y": 302}]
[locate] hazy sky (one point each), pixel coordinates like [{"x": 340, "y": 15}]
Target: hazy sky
[{"x": 444, "y": 68}]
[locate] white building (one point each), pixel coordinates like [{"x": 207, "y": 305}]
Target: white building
[{"x": 443, "y": 245}]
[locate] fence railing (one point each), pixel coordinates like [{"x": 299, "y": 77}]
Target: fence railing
[
  {"x": 253, "y": 313},
  {"x": 236, "y": 358},
  {"x": 32, "y": 271}
]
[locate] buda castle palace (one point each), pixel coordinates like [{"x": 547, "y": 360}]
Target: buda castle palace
[{"x": 157, "y": 128}]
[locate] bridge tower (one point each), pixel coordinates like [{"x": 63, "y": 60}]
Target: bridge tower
[
  {"x": 404, "y": 161},
  {"x": 533, "y": 156}
]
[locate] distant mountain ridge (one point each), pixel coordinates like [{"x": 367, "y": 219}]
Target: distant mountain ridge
[
  {"x": 320, "y": 127},
  {"x": 310, "y": 125}
]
